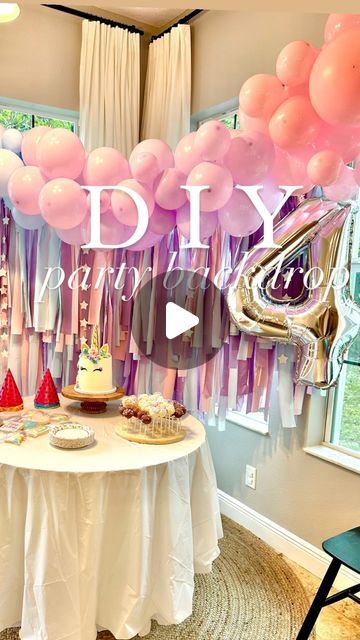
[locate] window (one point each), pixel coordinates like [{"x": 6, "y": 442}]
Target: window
[
  {"x": 253, "y": 421},
  {"x": 226, "y": 112},
  {"x": 343, "y": 428},
  {"x": 24, "y": 117},
  {"x": 229, "y": 118}
]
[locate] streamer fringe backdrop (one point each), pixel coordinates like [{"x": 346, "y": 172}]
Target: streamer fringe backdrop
[{"x": 35, "y": 335}]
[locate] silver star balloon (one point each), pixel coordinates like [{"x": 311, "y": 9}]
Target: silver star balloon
[{"x": 321, "y": 318}]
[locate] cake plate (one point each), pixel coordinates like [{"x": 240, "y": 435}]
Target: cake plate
[{"x": 92, "y": 403}]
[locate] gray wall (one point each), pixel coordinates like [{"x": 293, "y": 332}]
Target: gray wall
[
  {"x": 230, "y": 46},
  {"x": 312, "y": 498},
  {"x": 40, "y": 58}
]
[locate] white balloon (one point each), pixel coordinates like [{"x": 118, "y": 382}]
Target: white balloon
[
  {"x": 9, "y": 161},
  {"x": 11, "y": 140},
  {"x": 27, "y": 222}
]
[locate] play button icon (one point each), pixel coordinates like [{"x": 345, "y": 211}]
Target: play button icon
[{"x": 178, "y": 320}]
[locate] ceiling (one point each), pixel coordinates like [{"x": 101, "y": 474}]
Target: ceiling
[
  {"x": 156, "y": 18},
  {"x": 305, "y": 6}
]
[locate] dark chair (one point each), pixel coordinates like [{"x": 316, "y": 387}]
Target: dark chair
[{"x": 344, "y": 549}]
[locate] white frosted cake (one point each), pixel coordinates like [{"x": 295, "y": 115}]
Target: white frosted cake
[{"x": 94, "y": 375}]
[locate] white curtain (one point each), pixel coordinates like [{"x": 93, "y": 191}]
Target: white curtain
[
  {"x": 109, "y": 87},
  {"x": 166, "y": 112}
]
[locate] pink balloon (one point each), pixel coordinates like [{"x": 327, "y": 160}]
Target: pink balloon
[
  {"x": 219, "y": 181},
  {"x": 344, "y": 188},
  {"x": 144, "y": 166},
  {"x": 186, "y": 156},
  {"x": 250, "y": 158},
  {"x": 124, "y": 207},
  {"x": 299, "y": 90},
  {"x": 324, "y": 167},
  {"x": 339, "y": 22},
  {"x": 78, "y": 235},
  {"x": 63, "y": 203},
  {"x": 159, "y": 149},
  {"x": 105, "y": 201},
  {"x": 208, "y": 222},
  {"x": 239, "y": 217},
  {"x": 334, "y": 80},
  {"x": 271, "y": 195},
  {"x": 167, "y": 191},
  {"x": 341, "y": 138},
  {"x": 105, "y": 166},
  {"x": 260, "y": 95},
  {"x": 30, "y": 144},
  {"x": 295, "y": 62},
  {"x": 162, "y": 221},
  {"x": 291, "y": 169},
  {"x": 212, "y": 140},
  {"x": 248, "y": 124},
  {"x": 294, "y": 123},
  {"x": 150, "y": 239},
  {"x": 24, "y": 189},
  {"x": 112, "y": 231},
  {"x": 60, "y": 154}
]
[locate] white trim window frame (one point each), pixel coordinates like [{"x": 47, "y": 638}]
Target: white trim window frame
[
  {"x": 329, "y": 410},
  {"x": 252, "y": 421},
  {"x": 221, "y": 116},
  {"x": 230, "y": 107},
  {"x": 41, "y": 111},
  {"x": 335, "y": 404},
  {"x": 334, "y": 412}
]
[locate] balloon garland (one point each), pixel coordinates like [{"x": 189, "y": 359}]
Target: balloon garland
[{"x": 298, "y": 127}]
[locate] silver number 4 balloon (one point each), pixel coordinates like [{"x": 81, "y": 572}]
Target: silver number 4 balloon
[{"x": 321, "y": 318}]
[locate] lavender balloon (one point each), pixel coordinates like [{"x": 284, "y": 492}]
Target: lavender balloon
[
  {"x": 149, "y": 239},
  {"x": 162, "y": 221}
]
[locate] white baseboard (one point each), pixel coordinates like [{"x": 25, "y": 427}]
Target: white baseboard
[{"x": 303, "y": 553}]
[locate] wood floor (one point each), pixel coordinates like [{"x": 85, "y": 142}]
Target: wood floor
[{"x": 340, "y": 621}]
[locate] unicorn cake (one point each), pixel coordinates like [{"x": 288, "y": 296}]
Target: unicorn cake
[{"x": 94, "y": 375}]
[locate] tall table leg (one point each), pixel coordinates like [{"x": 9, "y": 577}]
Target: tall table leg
[{"x": 319, "y": 600}]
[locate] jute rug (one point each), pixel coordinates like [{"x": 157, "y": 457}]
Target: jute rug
[{"x": 251, "y": 594}]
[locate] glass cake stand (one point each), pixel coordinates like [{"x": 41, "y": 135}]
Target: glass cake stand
[{"x": 91, "y": 403}]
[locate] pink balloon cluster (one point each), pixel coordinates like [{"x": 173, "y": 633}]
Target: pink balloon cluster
[
  {"x": 310, "y": 110},
  {"x": 47, "y": 188},
  {"x": 298, "y": 127}
]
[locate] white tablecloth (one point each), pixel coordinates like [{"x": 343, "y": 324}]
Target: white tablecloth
[{"x": 107, "y": 537}]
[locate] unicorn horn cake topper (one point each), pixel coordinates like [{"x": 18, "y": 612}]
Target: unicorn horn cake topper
[
  {"x": 95, "y": 338},
  {"x": 95, "y": 368}
]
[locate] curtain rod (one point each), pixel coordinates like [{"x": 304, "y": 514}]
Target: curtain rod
[
  {"x": 183, "y": 20},
  {"x": 93, "y": 18}
]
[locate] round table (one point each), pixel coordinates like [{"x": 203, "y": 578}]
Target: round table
[{"x": 107, "y": 537}]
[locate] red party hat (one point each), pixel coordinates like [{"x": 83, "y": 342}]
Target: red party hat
[
  {"x": 47, "y": 397},
  {"x": 10, "y": 397}
]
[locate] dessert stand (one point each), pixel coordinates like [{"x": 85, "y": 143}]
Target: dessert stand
[
  {"x": 91, "y": 403},
  {"x": 154, "y": 433}
]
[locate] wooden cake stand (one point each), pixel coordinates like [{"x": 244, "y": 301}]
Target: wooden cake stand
[{"x": 92, "y": 403}]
